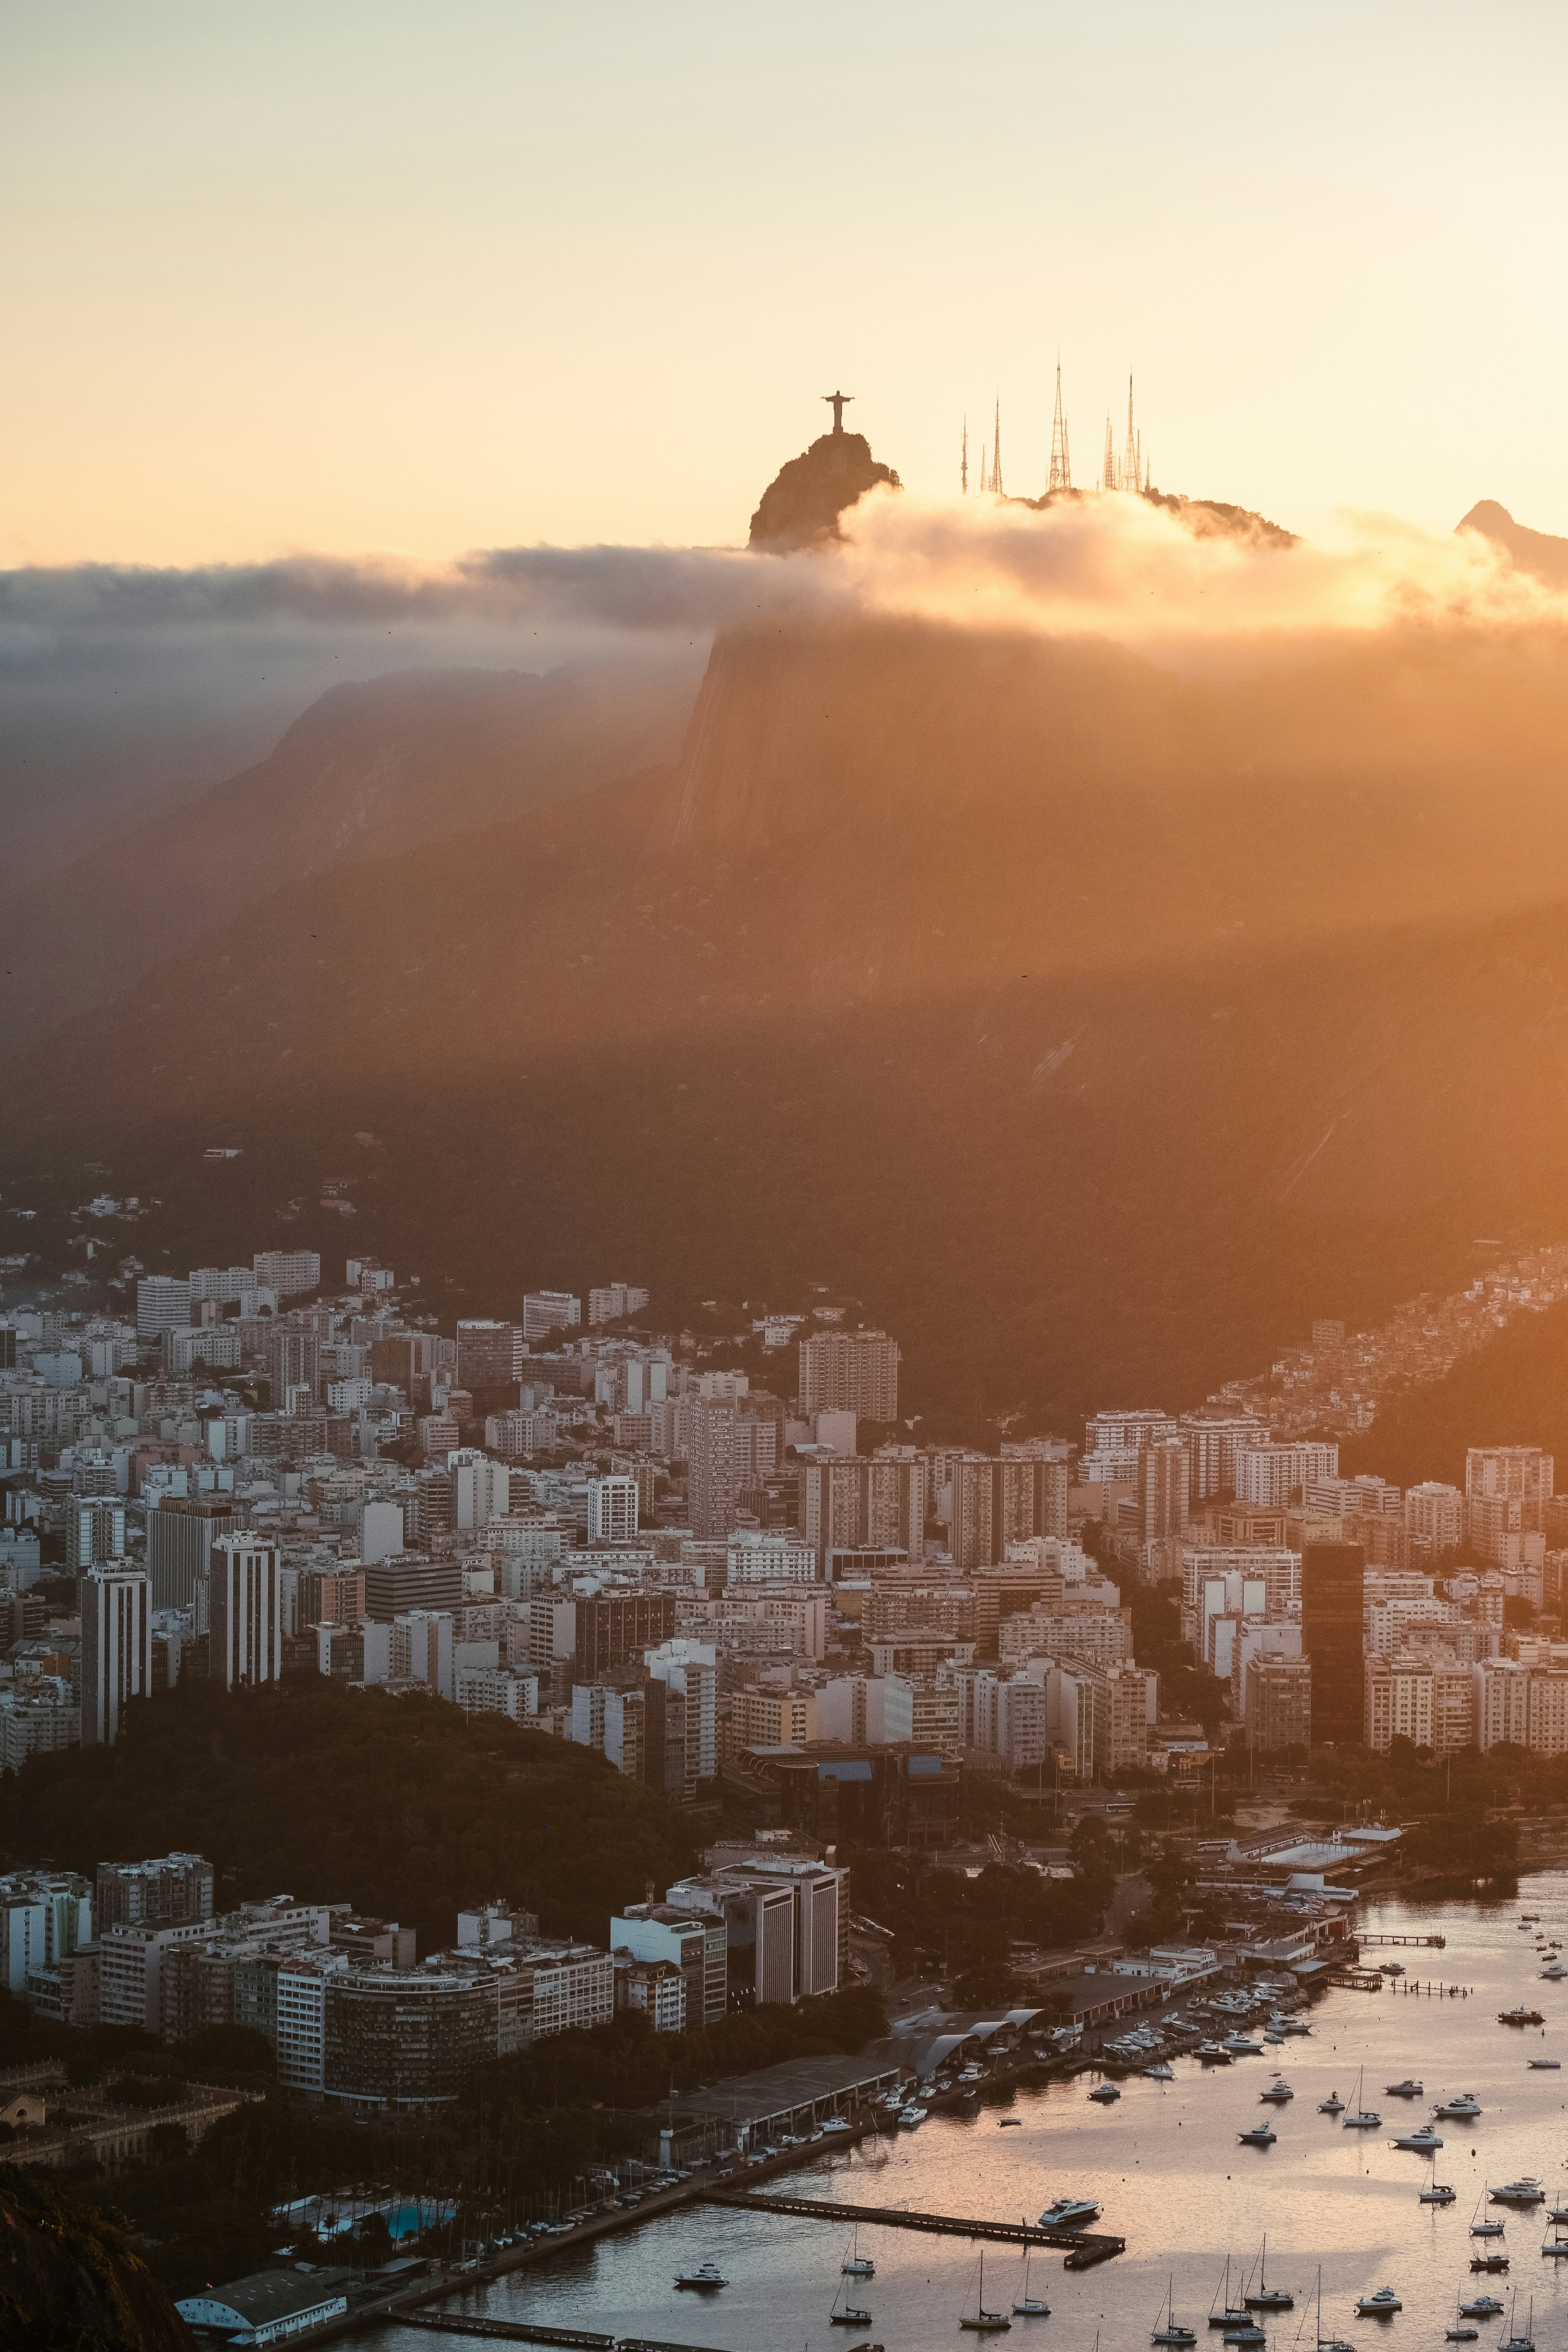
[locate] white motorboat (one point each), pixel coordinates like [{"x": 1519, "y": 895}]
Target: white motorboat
[
  {"x": 1405, "y": 2090},
  {"x": 704, "y": 2280},
  {"x": 1161, "y": 2074},
  {"x": 1247, "y": 2337},
  {"x": 1554, "y": 1972},
  {"x": 1212, "y": 2054},
  {"x": 911, "y": 2116},
  {"x": 1332, "y": 2105},
  {"x": 1278, "y": 2094},
  {"x": 1070, "y": 2213},
  {"x": 1546, "y": 2066},
  {"x": 1523, "y": 2191},
  {"x": 1459, "y": 2109},
  {"x": 1423, "y": 2140},
  {"x": 1381, "y": 2305},
  {"x": 1240, "y": 2047},
  {"x": 1260, "y": 2136},
  {"x": 1106, "y": 2094},
  {"x": 1481, "y": 2306}
]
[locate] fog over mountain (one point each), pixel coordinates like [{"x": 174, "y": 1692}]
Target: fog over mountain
[{"x": 1154, "y": 992}]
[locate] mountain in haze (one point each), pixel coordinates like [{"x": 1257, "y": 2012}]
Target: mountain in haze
[
  {"x": 368, "y": 770},
  {"x": 1093, "y": 1026},
  {"x": 1533, "y": 551}
]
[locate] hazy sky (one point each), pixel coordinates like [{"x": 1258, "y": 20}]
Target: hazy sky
[{"x": 429, "y": 274}]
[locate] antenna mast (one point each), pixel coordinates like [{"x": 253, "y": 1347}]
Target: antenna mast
[
  {"x": 963, "y": 463},
  {"x": 996, "y": 458},
  {"x": 1061, "y": 466},
  {"x": 1109, "y": 481},
  {"x": 1132, "y": 471}
]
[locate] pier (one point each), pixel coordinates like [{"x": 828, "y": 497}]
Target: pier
[
  {"x": 1437, "y": 1943},
  {"x": 507, "y": 2331},
  {"x": 1084, "y": 2248}
]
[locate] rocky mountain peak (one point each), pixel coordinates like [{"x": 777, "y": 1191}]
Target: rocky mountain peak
[{"x": 803, "y": 502}]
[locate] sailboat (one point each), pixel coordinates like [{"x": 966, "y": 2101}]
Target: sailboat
[
  {"x": 1024, "y": 2304},
  {"x": 1265, "y": 2297},
  {"x": 1556, "y": 2244},
  {"x": 980, "y": 2321},
  {"x": 1460, "y": 2333},
  {"x": 1361, "y": 2119},
  {"x": 855, "y": 2263},
  {"x": 1327, "y": 2343},
  {"x": 846, "y": 2314},
  {"x": 1173, "y": 2333},
  {"x": 1513, "y": 2341},
  {"x": 1484, "y": 2229},
  {"x": 1230, "y": 2315}
]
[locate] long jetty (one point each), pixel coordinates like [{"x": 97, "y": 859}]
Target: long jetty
[
  {"x": 527, "y": 2331},
  {"x": 1083, "y": 2249}
]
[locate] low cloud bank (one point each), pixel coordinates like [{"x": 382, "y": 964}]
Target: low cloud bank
[{"x": 1149, "y": 576}]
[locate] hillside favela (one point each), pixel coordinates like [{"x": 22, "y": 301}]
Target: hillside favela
[{"x": 783, "y": 1179}]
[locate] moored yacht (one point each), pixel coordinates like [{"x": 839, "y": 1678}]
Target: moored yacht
[
  {"x": 1423, "y": 2139},
  {"x": 1278, "y": 2093},
  {"x": 1260, "y": 2136},
  {"x": 1405, "y": 2090},
  {"x": 704, "y": 2279},
  {"x": 1332, "y": 2105},
  {"x": 1525, "y": 2190},
  {"x": 1070, "y": 2213},
  {"x": 1381, "y": 2305},
  {"x": 1460, "y": 2108}
]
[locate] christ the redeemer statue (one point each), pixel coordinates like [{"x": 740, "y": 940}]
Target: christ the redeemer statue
[{"x": 837, "y": 399}]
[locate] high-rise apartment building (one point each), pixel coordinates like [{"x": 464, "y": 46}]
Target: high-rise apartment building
[
  {"x": 163, "y": 1304},
  {"x": 850, "y": 1372},
  {"x": 482, "y": 1489},
  {"x": 1268, "y": 1476},
  {"x": 293, "y": 1362},
  {"x": 1164, "y": 1481},
  {"x": 1333, "y": 1578},
  {"x": 728, "y": 1451},
  {"x": 1507, "y": 1490},
  {"x": 614, "y": 1300},
  {"x": 245, "y": 1609},
  {"x": 173, "y": 1888},
  {"x": 613, "y": 1628},
  {"x": 95, "y": 1529},
  {"x": 612, "y": 1508},
  {"x": 544, "y": 1311},
  {"x": 1502, "y": 1702},
  {"x": 116, "y": 1646},
  {"x": 1279, "y": 1703},
  {"x": 1211, "y": 1440},
  {"x": 288, "y": 1272},
  {"x": 487, "y": 1355},
  {"x": 874, "y": 1502},
  {"x": 1433, "y": 1518},
  {"x": 695, "y": 1942}
]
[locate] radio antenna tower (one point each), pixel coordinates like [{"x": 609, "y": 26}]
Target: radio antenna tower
[
  {"x": 963, "y": 464},
  {"x": 996, "y": 458},
  {"x": 1109, "y": 482},
  {"x": 1061, "y": 467},
  {"x": 1132, "y": 472}
]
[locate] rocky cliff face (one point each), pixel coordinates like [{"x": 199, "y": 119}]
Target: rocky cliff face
[
  {"x": 68, "y": 2279},
  {"x": 805, "y": 498}
]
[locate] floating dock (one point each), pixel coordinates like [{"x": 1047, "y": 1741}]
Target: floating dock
[{"x": 1083, "y": 2247}]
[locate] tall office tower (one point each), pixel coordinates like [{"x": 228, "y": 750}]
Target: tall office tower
[
  {"x": 614, "y": 1301},
  {"x": 95, "y": 1529},
  {"x": 179, "y": 1538},
  {"x": 485, "y": 1354},
  {"x": 116, "y": 1647},
  {"x": 244, "y": 1611},
  {"x": 1334, "y": 1580},
  {"x": 293, "y": 1361},
  {"x": 544, "y": 1311},
  {"x": 613, "y": 1628},
  {"x": 7, "y": 1347},
  {"x": 393, "y": 1587},
  {"x": 1165, "y": 1477},
  {"x": 850, "y": 1372},
  {"x": 1279, "y": 1703},
  {"x": 712, "y": 1468},
  {"x": 288, "y": 1272},
  {"x": 163, "y": 1304}
]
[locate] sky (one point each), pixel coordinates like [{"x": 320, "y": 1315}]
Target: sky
[{"x": 419, "y": 278}]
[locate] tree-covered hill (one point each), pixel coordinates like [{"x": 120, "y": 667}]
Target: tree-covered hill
[
  {"x": 1513, "y": 1391},
  {"x": 402, "y": 1807}
]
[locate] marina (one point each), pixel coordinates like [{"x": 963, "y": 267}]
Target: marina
[{"x": 1172, "y": 2189}]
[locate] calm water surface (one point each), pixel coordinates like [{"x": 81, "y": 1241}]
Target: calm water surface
[{"x": 1165, "y": 2164}]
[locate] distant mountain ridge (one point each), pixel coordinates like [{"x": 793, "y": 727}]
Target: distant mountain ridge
[{"x": 1533, "y": 551}]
